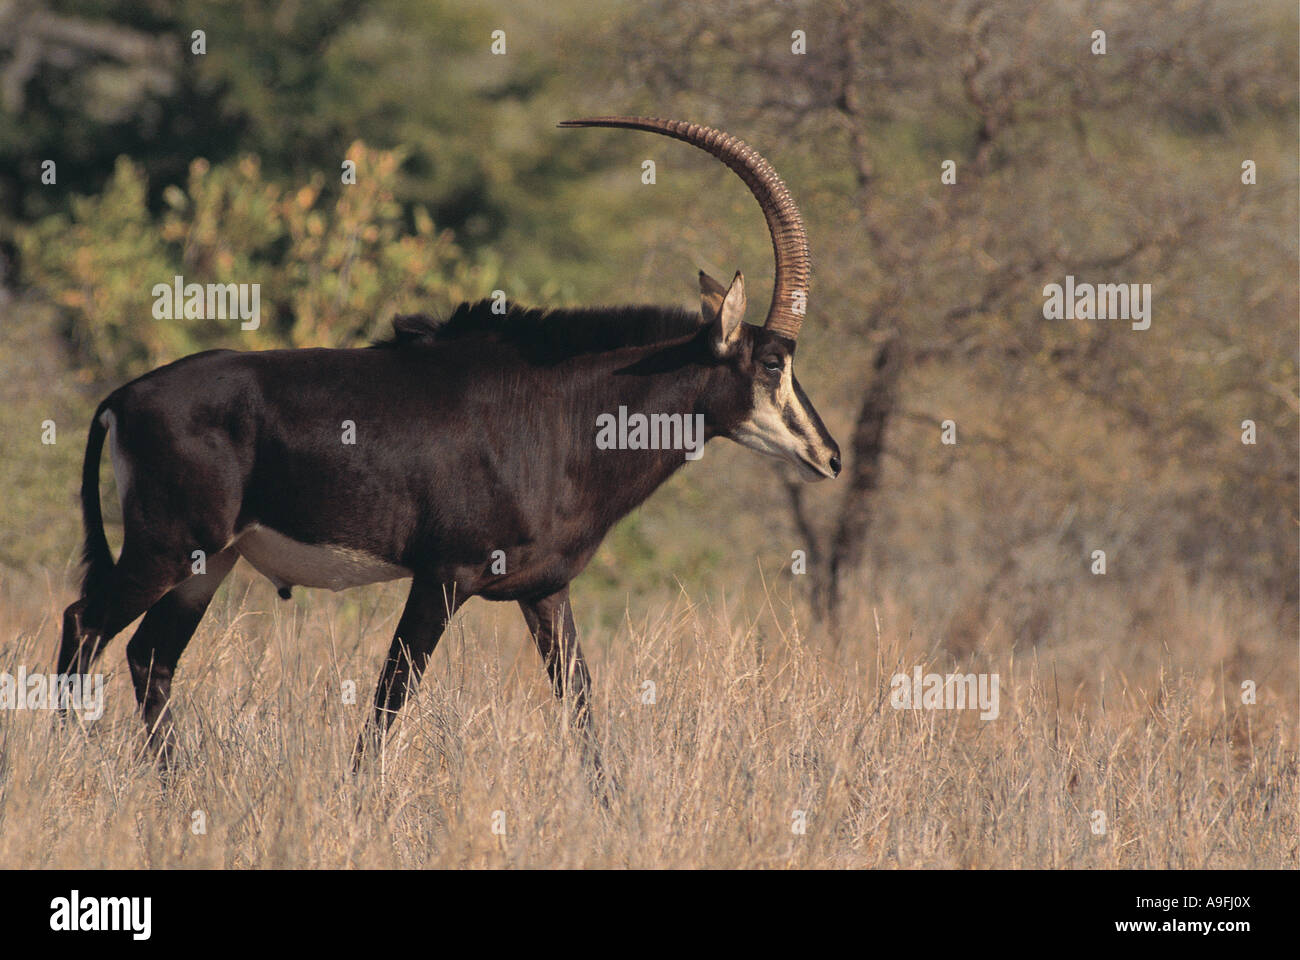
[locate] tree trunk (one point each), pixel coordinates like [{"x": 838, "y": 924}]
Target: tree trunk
[{"x": 835, "y": 557}]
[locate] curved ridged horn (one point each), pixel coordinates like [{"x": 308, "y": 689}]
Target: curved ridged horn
[{"x": 789, "y": 242}]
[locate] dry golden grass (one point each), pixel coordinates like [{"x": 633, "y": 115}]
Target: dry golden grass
[{"x": 752, "y": 721}]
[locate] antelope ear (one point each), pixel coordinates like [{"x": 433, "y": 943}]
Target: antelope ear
[
  {"x": 711, "y": 295},
  {"x": 726, "y": 327}
]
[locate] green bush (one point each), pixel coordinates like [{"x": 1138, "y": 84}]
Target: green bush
[{"x": 332, "y": 264}]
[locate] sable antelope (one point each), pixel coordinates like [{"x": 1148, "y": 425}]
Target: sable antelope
[{"x": 473, "y": 434}]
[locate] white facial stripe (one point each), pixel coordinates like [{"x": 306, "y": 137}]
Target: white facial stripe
[
  {"x": 766, "y": 430},
  {"x": 790, "y": 405}
]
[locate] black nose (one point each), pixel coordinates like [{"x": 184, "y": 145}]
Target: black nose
[{"x": 835, "y": 466}]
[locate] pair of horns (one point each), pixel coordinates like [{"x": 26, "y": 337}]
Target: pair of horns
[{"x": 789, "y": 241}]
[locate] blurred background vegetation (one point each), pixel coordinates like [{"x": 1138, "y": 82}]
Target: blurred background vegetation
[{"x": 1073, "y": 436}]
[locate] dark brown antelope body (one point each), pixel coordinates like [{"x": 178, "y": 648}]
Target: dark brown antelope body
[{"x": 460, "y": 453}]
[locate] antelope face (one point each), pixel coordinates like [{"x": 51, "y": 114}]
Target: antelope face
[{"x": 769, "y": 412}]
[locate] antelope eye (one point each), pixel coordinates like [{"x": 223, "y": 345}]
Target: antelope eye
[{"x": 772, "y": 363}]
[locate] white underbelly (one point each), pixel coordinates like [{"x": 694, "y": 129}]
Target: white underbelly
[{"x": 288, "y": 563}]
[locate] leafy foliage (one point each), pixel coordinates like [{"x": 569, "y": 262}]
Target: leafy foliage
[{"x": 331, "y": 263}]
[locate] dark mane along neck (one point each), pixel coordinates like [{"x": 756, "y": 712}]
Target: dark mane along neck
[
  {"x": 550, "y": 334},
  {"x": 635, "y": 360}
]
